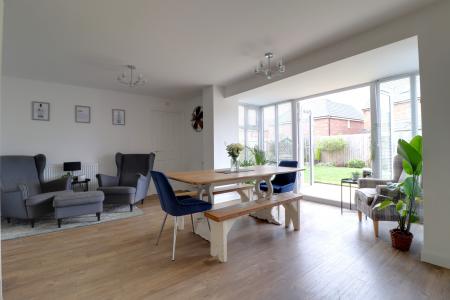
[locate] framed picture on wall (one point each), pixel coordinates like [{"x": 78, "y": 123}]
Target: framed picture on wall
[
  {"x": 82, "y": 114},
  {"x": 40, "y": 111},
  {"x": 118, "y": 117}
]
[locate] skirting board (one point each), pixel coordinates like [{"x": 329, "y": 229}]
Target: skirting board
[{"x": 435, "y": 259}]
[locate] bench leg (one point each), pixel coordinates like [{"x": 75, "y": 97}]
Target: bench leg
[
  {"x": 244, "y": 196},
  {"x": 219, "y": 234},
  {"x": 292, "y": 213}
]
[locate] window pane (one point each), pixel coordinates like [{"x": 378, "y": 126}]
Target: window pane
[
  {"x": 419, "y": 106},
  {"x": 285, "y": 150},
  {"x": 252, "y": 118},
  {"x": 241, "y": 116},
  {"x": 241, "y": 136},
  {"x": 395, "y": 110},
  {"x": 269, "y": 132}
]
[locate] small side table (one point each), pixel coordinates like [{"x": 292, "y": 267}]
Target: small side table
[
  {"x": 349, "y": 182},
  {"x": 81, "y": 183}
]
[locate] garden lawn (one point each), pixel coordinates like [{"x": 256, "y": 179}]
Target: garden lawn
[{"x": 330, "y": 175}]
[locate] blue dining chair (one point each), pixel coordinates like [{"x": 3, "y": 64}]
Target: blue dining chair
[
  {"x": 175, "y": 206},
  {"x": 282, "y": 183}
]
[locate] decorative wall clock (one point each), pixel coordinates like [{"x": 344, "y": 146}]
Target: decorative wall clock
[{"x": 197, "y": 119}]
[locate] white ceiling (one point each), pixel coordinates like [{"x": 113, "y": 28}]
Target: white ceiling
[
  {"x": 180, "y": 46},
  {"x": 393, "y": 59}
]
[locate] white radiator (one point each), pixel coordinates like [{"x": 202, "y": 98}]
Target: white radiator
[{"x": 55, "y": 171}]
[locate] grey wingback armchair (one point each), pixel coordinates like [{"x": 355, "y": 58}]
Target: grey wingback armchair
[
  {"x": 132, "y": 180},
  {"x": 24, "y": 193},
  {"x": 372, "y": 191}
]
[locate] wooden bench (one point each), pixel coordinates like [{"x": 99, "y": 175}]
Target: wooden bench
[
  {"x": 222, "y": 219},
  {"x": 240, "y": 188}
]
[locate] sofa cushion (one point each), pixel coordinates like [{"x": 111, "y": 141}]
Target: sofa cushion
[
  {"x": 41, "y": 198},
  {"x": 81, "y": 198},
  {"x": 366, "y": 195},
  {"x": 114, "y": 190}
]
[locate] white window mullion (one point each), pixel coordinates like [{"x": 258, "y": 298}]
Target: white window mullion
[
  {"x": 375, "y": 128},
  {"x": 414, "y": 106},
  {"x": 277, "y": 135}
]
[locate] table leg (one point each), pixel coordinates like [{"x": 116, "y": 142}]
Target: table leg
[
  {"x": 265, "y": 214},
  {"x": 350, "y": 199},
  {"x": 200, "y": 222}
]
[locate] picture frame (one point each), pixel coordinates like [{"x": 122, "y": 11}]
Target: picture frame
[
  {"x": 40, "y": 111},
  {"x": 118, "y": 117},
  {"x": 82, "y": 114}
]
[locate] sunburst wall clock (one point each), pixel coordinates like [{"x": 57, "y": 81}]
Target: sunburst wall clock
[{"x": 197, "y": 119}]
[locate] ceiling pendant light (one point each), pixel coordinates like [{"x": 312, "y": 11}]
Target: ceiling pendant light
[
  {"x": 268, "y": 70},
  {"x": 131, "y": 80}
]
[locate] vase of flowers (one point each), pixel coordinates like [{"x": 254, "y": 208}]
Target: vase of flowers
[{"x": 234, "y": 150}]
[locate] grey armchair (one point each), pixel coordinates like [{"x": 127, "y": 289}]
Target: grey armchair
[
  {"x": 372, "y": 191},
  {"x": 24, "y": 193},
  {"x": 132, "y": 180}
]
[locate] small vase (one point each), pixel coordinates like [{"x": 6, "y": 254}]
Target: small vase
[{"x": 234, "y": 165}]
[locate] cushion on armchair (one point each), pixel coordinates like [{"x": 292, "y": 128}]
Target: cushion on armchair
[
  {"x": 366, "y": 195},
  {"x": 41, "y": 198},
  {"x": 117, "y": 190}
]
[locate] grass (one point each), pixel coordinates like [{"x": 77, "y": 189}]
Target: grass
[{"x": 330, "y": 175}]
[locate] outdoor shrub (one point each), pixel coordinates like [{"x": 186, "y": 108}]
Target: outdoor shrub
[
  {"x": 332, "y": 144},
  {"x": 356, "y": 163},
  {"x": 317, "y": 154}
]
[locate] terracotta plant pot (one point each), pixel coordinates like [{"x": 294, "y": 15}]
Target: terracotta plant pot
[{"x": 401, "y": 240}]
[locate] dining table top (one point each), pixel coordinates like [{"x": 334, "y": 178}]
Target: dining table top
[{"x": 202, "y": 177}]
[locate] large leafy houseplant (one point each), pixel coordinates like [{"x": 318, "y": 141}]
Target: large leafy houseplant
[{"x": 410, "y": 191}]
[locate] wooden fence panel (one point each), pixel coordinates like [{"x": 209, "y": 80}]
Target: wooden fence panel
[{"x": 357, "y": 147}]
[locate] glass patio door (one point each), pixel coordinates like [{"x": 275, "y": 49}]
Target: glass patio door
[
  {"x": 398, "y": 116},
  {"x": 306, "y": 143}
]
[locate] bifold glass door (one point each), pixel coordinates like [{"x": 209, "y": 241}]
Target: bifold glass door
[
  {"x": 399, "y": 115},
  {"x": 305, "y": 143}
]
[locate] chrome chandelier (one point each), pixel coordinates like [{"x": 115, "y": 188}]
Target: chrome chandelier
[
  {"x": 131, "y": 79},
  {"x": 268, "y": 69}
]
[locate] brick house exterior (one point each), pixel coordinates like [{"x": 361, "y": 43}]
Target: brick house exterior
[
  {"x": 327, "y": 126},
  {"x": 334, "y": 118}
]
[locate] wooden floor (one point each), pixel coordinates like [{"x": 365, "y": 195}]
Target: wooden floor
[{"x": 331, "y": 257}]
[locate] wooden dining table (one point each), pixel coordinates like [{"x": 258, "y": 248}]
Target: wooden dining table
[{"x": 206, "y": 180}]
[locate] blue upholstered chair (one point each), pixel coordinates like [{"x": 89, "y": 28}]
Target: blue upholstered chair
[
  {"x": 283, "y": 183},
  {"x": 175, "y": 206}
]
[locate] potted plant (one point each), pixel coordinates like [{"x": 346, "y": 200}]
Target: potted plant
[
  {"x": 355, "y": 176},
  {"x": 259, "y": 155},
  {"x": 234, "y": 150},
  {"x": 410, "y": 193}
]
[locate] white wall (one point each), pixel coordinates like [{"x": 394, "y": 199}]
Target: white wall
[
  {"x": 434, "y": 54},
  {"x": 431, "y": 25},
  {"x": 192, "y": 148},
  {"x": 221, "y": 127},
  {"x": 208, "y": 127},
  {"x": 1, "y": 108},
  {"x": 151, "y": 125}
]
